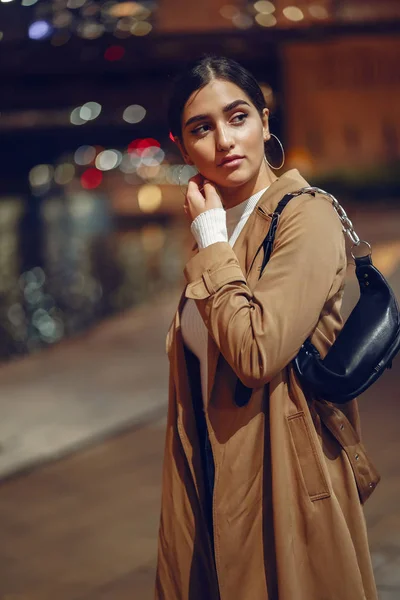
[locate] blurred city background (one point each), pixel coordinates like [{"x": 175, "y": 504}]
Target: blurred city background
[{"x": 93, "y": 242}]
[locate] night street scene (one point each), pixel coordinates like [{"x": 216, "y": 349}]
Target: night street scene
[{"x": 94, "y": 243}]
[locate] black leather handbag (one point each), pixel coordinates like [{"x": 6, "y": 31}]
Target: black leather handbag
[{"x": 369, "y": 339}]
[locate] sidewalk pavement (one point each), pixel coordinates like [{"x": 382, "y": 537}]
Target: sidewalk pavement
[{"x": 85, "y": 388}]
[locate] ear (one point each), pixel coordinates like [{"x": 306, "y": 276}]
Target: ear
[
  {"x": 182, "y": 150},
  {"x": 265, "y": 122}
]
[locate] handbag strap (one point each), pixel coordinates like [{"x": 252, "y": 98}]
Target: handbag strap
[
  {"x": 269, "y": 239},
  {"x": 347, "y": 225},
  {"x": 243, "y": 393}
]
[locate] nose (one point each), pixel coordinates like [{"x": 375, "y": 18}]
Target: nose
[{"x": 224, "y": 139}]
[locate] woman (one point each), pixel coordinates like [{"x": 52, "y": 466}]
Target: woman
[{"x": 262, "y": 496}]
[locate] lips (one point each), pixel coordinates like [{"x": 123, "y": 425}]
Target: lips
[{"x": 230, "y": 159}]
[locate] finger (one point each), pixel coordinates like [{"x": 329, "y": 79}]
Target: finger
[
  {"x": 213, "y": 199},
  {"x": 198, "y": 179},
  {"x": 187, "y": 214},
  {"x": 194, "y": 195},
  {"x": 196, "y": 182}
]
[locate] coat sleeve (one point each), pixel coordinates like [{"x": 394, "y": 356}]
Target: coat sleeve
[{"x": 260, "y": 331}]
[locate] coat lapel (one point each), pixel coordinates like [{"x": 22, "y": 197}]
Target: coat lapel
[{"x": 253, "y": 233}]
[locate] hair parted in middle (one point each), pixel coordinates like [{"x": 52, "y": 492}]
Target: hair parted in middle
[{"x": 198, "y": 74}]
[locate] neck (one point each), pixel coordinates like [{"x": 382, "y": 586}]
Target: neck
[{"x": 232, "y": 196}]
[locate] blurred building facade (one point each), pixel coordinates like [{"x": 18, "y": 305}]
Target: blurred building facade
[{"x": 342, "y": 98}]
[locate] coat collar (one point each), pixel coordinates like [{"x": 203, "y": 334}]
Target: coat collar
[{"x": 246, "y": 246}]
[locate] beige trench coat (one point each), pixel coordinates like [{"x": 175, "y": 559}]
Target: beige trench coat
[{"x": 291, "y": 474}]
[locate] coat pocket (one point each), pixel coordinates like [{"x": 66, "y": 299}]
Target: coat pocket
[{"x": 308, "y": 460}]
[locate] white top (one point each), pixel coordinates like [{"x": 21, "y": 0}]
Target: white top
[{"x": 211, "y": 226}]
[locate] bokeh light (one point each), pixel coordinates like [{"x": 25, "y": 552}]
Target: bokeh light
[
  {"x": 266, "y": 20},
  {"x": 293, "y": 13},
  {"x": 141, "y": 28},
  {"x": 108, "y": 159},
  {"x": 90, "y": 30},
  {"x": 152, "y": 156},
  {"x": 39, "y": 30},
  {"x": 62, "y": 19},
  {"x": 172, "y": 174},
  {"x": 90, "y": 111},
  {"x": 140, "y": 145},
  {"x": 264, "y": 7},
  {"x": 181, "y": 175},
  {"x": 128, "y": 9},
  {"x": 125, "y": 23},
  {"x": 84, "y": 155},
  {"x": 149, "y": 172},
  {"x": 134, "y": 113},
  {"x": 85, "y": 113},
  {"x": 242, "y": 21},
  {"x": 229, "y": 11},
  {"x": 91, "y": 178},
  {"x": 130, "y": 162},
  {"x": 64, "y": 173},
  {"x": 149, "y": 198},
  {"x": 75, "y": 117},
  {"x": 40, "y": 175},
  {"x": 318, "y": 12}
]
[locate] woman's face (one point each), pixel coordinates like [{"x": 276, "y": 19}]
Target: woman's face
[{"x": 220, "y": 121}]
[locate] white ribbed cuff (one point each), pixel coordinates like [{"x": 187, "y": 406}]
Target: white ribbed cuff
[{"x": 210, "y": 227}]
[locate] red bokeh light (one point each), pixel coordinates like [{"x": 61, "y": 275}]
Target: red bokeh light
[
  {"x": 114, "y": 53},
  {"x": 91, "y": 178},
  {"x": 139, "y": 146}
]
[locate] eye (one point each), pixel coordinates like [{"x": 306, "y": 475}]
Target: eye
[
  {"x": 240, "y": 118},
  {"x": 201, "y": 129}
]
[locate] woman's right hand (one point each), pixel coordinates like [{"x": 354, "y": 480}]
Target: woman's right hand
[{"x": 201, "y": 195}]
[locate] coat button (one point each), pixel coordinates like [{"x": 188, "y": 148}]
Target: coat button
[
  {"x": 357, "y": 456},
  {"x": 341, "y": 426},
  {"x": 371, "y": 484}
]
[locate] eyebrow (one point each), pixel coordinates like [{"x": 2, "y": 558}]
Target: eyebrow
[{"x": 226, "y": 109}]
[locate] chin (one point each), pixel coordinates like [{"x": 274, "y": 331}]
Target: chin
[{"x": 236, "y": 179}]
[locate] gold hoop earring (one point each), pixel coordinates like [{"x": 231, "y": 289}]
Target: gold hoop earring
[{"x": 283, "y": 154}]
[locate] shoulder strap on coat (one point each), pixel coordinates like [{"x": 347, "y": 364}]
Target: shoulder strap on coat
[
  {"x": 243, "y": 393},
  {"x": 268, "y": 242}
]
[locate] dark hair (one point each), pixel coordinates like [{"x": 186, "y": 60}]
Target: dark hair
[{"x": 198, "y": 74}]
